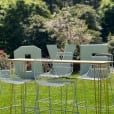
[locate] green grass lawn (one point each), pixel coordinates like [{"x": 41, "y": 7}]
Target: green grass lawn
[{"x": 93, "y": 97}]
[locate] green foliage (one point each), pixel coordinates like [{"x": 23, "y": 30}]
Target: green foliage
[
  {"x": 65, "y": 31},
  {"x": 12, "y": 32},
  {"x": 33, "y": 25},
  {"x": 2, "y": 14},
  {"x": 88, "y": 14},
  {"x": 111, "y": 46},
  {"x": 35, "y": 32},
  {"x": 107, "y": 21},
  {"x": 96, "y": 37},
  {"x": 94, "y": 3},
  {"x": 12, "y": 29},
  {"x": 105, "y": 3},
  {"x": 56, "y": 5},
  {"x": 73, "y": 25}
]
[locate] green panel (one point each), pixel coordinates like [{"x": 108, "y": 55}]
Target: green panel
[
  {"x": 52, "y": 49},
  {"x": 34, "y": 52},
  {"x": 86, "y": 52},
  {"x": 62, "y": 68}
]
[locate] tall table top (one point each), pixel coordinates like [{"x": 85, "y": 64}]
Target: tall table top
[{"x": 61, "y": 61}]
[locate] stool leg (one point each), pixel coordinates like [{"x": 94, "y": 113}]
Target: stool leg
[
  {"x": 50, "y": 105},
  {"x": 22, "y": 99},
  {"x": 66, "y": 99},
  {"x": 37, "y": 107},
  {"x": 75, "y": 99},
  {"x": 61, "y": 94}
]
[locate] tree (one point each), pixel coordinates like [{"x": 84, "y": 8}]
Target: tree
[
  {"x": 56, "y": 5},
  {"x": 12, "y": 30},
  {"x": 69, "y": 26},
  {"x": 94, "y": 3},
  {"x": 107, "y": 21},
  {"x": 2, "y": 16},
  {"x": 65, "y": 31},
  {"x": 88, "y": 14},
  {"x": 35, "y": 33},
  {"x": 111, "y": 46}
]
